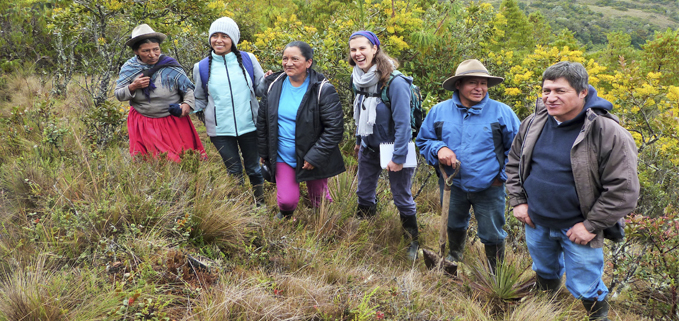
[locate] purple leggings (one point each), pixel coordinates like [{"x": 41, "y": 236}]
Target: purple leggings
[{"x": 287, "y": 188}]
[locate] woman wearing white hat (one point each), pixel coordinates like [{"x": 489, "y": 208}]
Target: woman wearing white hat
[
  {"x": 228, "y": 82},
  {"x": 160, "y": 95}
]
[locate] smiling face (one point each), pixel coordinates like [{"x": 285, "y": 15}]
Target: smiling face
[
  {"x": 148, "y": 53},
  {"x": 294, "y": 63},
  {"x": 220, "y": 43},
  {"x": 563, "y": 102},
  {"x": 362, "y": 52},
  {"x": 472, "y": 90}
]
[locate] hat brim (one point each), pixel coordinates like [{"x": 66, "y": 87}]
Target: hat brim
[
  {"x": 449, "y": 84},
  {"x": 160, "y": 36}
]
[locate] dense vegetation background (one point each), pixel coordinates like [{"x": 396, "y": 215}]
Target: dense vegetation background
[{"x": 88, "y": 233}]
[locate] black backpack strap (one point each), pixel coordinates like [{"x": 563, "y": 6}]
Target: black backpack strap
[{"x": 367, "y": 94}]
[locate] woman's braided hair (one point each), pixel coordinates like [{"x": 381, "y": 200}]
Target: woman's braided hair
[{"x": 240, "y": 61}]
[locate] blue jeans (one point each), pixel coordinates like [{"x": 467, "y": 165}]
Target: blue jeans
[
  {"x": 489, "y": 210},
  {"x": 553, "y": 254},
  {"x": 401, "y": 182},
  {"x": 227, "y": 146}
]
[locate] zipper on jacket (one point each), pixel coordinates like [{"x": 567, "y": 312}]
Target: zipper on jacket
[
  {"x": 214, "y": 108},
  {"x": 233, "y": 103}
]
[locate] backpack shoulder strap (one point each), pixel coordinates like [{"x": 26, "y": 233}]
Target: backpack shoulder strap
[
  {"x": 320, "y": 88},
  {"x": 247, "y": 63},
  {"x": 274, "y": 81},
  {"x": 356, "y": 91},
  {"x": 204, "y": 70},
  {"x": 385, "y": 90}
]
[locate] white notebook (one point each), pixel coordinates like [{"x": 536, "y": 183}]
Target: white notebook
[{"x": 387, "y": 152}]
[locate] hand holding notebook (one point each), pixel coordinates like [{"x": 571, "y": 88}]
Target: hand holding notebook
[{"x": 387, "y": 152}]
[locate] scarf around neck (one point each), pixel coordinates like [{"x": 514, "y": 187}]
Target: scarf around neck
[
  {"x": 365, "y": 107},
  {"x": 171, "y": 72}
]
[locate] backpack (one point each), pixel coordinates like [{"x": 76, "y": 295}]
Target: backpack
[
  {"x": 416, "y": 113},
  {"x": 204, "y": 69}
]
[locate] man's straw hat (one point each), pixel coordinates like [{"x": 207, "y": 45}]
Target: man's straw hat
[{"x": 471, "y": 68}]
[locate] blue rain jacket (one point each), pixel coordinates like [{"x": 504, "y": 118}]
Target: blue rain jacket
[{"x": 480, "y": 137}]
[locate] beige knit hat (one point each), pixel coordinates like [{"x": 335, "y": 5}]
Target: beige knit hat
[
  {"x": 471, "y": 68},
  {"x": 142, "y": 32}
]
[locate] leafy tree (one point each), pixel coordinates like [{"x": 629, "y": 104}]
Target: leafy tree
[
  {"x": 662, "y": 55},
  {"x": 619, "y": 48},
  {"x": 523, "y": 82},
  {"x": 452, "y": 34},
  {"x": 510, "y": 28},
  {"x": 542, "y": 31},
  {"x": 565, "y": 38},
  {"x": 93, "y": 33},
  {"x": 23, "y": 36}
]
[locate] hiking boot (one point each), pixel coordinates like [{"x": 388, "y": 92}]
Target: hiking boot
[
  {"x": 413, "y": 250},
  {"x": 409, "y": 224},
  {"x": 495, "y": 253},
  {"x": 258, "y": 190},
  {"x": 596, "y": 310},
  {"x": 366, "y": 211},
  {"x": 284, "y": 215},
  {"x": 549, "y": 285}
]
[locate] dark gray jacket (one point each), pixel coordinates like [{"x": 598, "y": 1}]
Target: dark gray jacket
[{"x": 318, "y": 130}]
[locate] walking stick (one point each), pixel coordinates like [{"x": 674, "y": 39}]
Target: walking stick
[{"x": 431, "y": 259}]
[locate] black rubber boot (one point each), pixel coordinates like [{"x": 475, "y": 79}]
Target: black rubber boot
[
  {"x": 284, "y": 215},
  {"x": 409, "y": 224},
  {"x": 549, "y": 285},
  {"x": 495, "y": 253},
  {"x": 456, "y": 242},
  {"x": 363, "y": 211},
  {"x": 596, "y": 310},
  {"x": 258, "y": 190}
]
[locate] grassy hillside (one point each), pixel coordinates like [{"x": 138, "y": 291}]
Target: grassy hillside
[
  {"x": 663, "y": 15},
  {"x": 591, "y": 20},
  {"x": 92, "y": 234}
]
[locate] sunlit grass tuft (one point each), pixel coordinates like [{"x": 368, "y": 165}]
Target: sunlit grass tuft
[
  {"x": 38, "y": 290},
  {"x": 221, "y": 211}
]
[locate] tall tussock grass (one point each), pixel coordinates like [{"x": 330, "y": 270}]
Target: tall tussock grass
[
  {"x": 37, "y": 290},
  {"x": 221, "y": 212},
  {"x": 88, "y": 232}
]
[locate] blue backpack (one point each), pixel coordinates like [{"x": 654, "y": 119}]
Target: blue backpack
[{"x": 204, "y": 68}]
